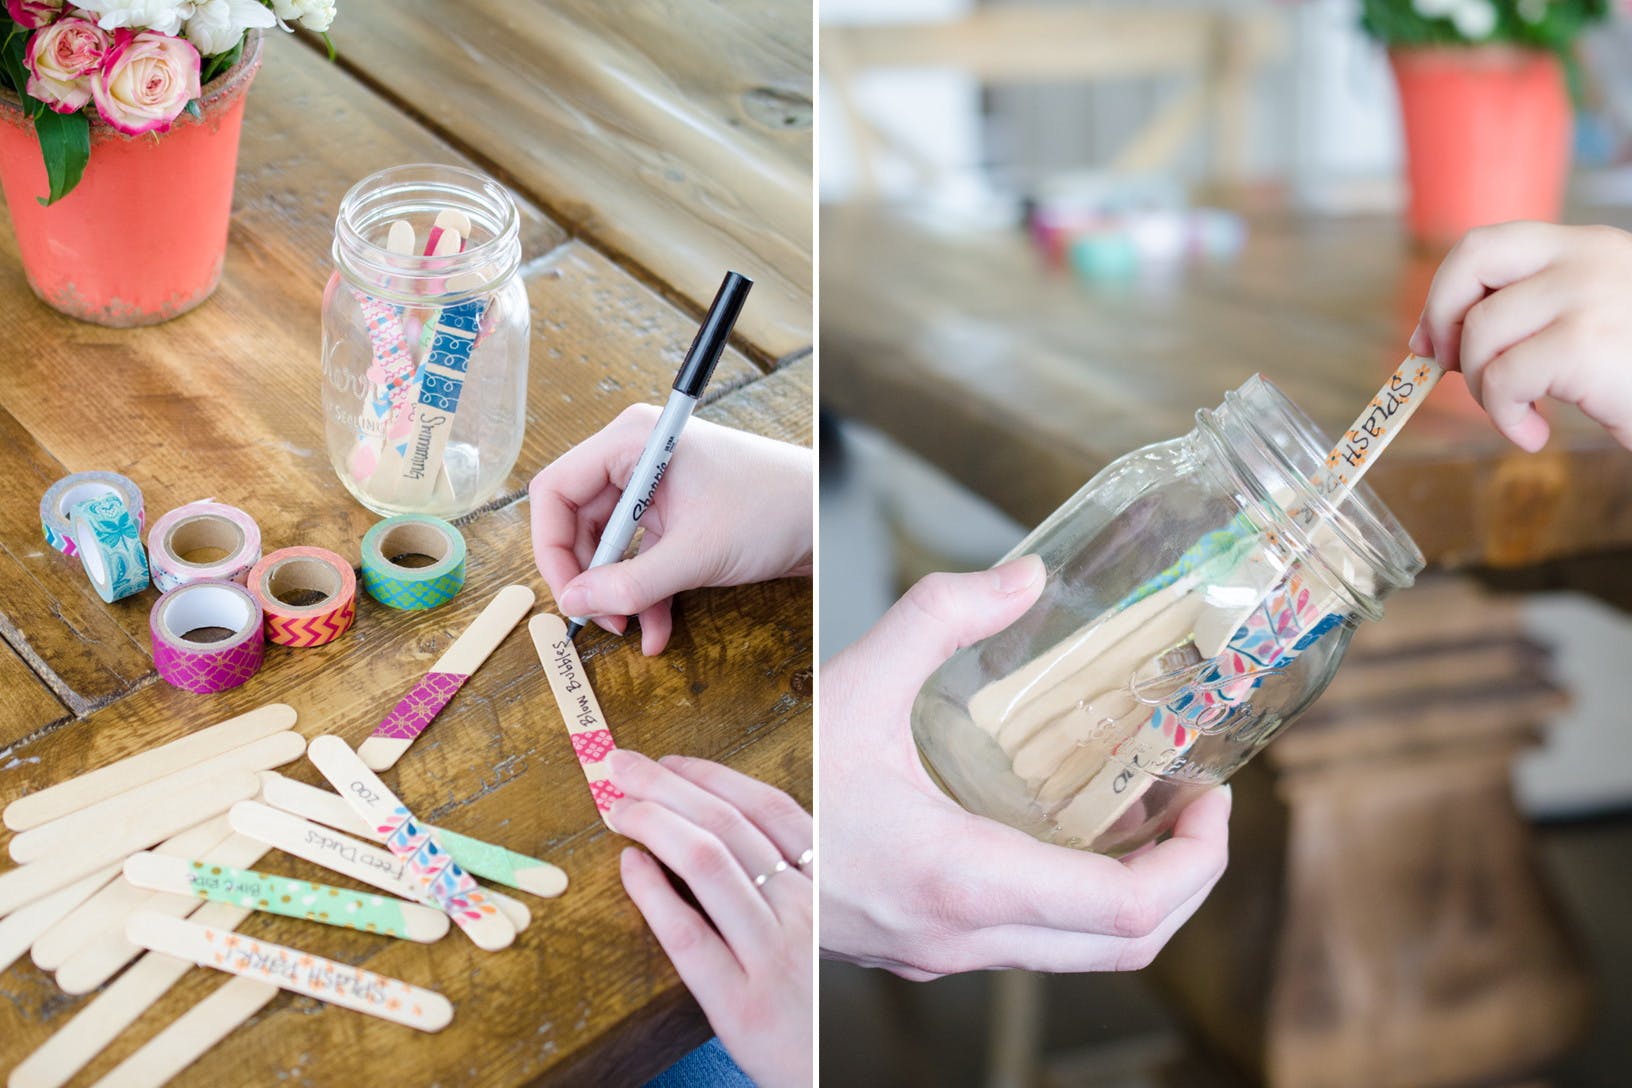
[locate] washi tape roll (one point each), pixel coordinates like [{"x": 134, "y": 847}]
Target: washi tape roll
[
  {"x": 227, "y": 537},
  {"x": 68, "y": 492},
  {"x": 109, "y": 544},
  {"x": 309, "y": 595},
  {"x": 409, "y": 587},
  {"x": 186, "y": 656}
]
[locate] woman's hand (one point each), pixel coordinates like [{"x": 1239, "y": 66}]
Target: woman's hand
[
  {"x": 750, "y": 969},
  {"x": 733, "y": 508}
]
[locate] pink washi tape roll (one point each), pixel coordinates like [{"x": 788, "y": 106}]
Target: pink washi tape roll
[
  {"x": 207, "y": 636},
  {"x": 202, "y": 540},
  {"x": 309, "y": 595}
]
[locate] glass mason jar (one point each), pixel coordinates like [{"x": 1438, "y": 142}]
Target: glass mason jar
[
  {"x": 425, "y": 356},
  {"x": 1199, "y": 596}
]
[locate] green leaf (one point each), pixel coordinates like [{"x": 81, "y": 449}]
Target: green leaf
[
  {"x": 15, "y": 70},
  {"x": 328, "y": 41},
  {"x": 219, "y": 63},
  {"x": 65, "y": 141},
  {"x": 192, "y": 108}
]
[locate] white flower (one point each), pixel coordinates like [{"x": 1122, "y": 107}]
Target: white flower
[
  {"x": 1474, "y": 19},
  {"x": 165, "y": 16},
  {"x": 311, "y": 14},
  {"x": 1532, "y": 11},
  {"x": 218, "y": 25}
]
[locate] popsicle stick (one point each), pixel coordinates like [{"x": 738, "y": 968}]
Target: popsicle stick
[
  {"x": 191, "y": 1035},
  {"x": 65, "y": 831},
  {"x": 106, "y": 910},
  {"x": 1395, "y": 403},
  {"x": 101, "y": 958},
  {"x": 126, "y": 774},
  {"x": 105, "y": 1018},
  {"x": 22, "y": 928},
  {"x": 408, "y": 719},
  {"x": 580, "y": 711},
  {"x": 322, "y": 903},
  {"x": 40, "y": 878},
  {"x": 428, "y": 861},
  {"x": 293, "y": 970},
  {"x": 373, "y": 865},
  {"x": 482, "y": 859}
]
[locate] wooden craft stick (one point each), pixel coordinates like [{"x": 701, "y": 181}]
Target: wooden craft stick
[
  {"x": 101, "y": 958},
  {"x": 126, "y": 774},
  {"x": 40, "y": 878},
  {"x": 373, "y": 865},
  {"x": 428, "y": 861},
  {"x": 191, "y": 1035},
  {"x": 322, "y": 903},
  {"x": 293, "y": 970},
  {"x": 105, "y": 1018},
  {"x": 495, "y": 863},
  {"x": 580, "y": 711},
  {"x": 22, "y": 928},
  {"x": 421, "y": 705},
  {"x": 106, "y": 910},
  {"x": 65, "y": 831}
]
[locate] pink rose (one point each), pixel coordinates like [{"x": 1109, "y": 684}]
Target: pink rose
[
  {"x": 33, "y": 14},
  {"x": 60, "y": 61},
  {"x": 145, "y": 81}
]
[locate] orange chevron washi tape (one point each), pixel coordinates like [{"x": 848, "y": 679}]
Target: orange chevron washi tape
[{"x": 309, "y": 595}]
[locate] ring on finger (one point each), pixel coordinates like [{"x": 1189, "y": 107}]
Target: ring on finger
[
  {"x": 781, "y": 866},
  {"x": 806, "y": 858}
]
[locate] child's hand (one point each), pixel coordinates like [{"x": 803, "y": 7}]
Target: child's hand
[
  {"x": 1532, "y": 310},
  {"x": 749, "y": 963},
  {"x": 733, "y": 508},
  {"x": 915, "y": 884}
]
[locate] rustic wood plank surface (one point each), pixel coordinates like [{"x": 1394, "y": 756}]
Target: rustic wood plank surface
[
  {"x": 1022, "y": 382},
  {"x": 677, "y": 134},
  {"x": 224, "y": 402},
  {"x": 601, "y": 341}
]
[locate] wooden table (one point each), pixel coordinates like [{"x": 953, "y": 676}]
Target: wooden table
[
  {"x": 645, "y": 162},
  {"x": 1383, "y": 922}
]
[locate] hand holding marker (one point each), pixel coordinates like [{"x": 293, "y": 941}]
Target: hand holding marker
[{"x": 689, "y": 383}]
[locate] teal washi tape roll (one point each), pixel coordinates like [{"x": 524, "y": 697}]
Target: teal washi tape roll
[
  {"x": 109, "y": 542},
  {"x": 70, "y": 491},
  {"x": 413, "y": 587}
]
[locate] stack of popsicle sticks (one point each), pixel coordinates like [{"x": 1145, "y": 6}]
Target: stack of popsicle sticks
[{"x": 184, "y": 822}]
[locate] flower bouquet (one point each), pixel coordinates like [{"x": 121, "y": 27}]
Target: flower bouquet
[{"x": 118, "y": 96}]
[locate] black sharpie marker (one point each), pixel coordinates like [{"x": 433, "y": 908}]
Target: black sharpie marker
[{"x": 654, "y": 459}]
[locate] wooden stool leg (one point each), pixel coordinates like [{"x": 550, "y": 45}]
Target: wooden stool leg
[{"x": 1017, "y": 1029}]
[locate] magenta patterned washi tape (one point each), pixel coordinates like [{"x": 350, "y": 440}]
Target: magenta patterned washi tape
[
  {"x": 593, "y": 746},
  {"x": 208, "y": 671},
  {"x": 420, "y": 706}
]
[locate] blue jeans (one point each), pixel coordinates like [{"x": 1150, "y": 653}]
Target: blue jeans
[{"x": 709, "y": 1066}]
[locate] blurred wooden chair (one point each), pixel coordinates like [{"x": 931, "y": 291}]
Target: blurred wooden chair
[{"x": 1218, "y": 52}]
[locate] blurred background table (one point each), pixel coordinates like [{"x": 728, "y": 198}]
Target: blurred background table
[{"x": 647, "y": 155}]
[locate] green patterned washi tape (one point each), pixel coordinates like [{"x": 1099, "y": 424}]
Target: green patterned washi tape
[
  {"x": 484, "y": 859},
  {"x": 298, "y": 899},
  {"x": 413, "y": 588}
]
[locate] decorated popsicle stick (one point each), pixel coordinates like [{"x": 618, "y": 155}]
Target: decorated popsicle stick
[
  {"x": 428, "y": 861},
  {"x": 293, "y": 970},
  {"x": 107, "y": 908},
  {"x": 373, "y": 865},
  {"x": 482, "y": 859},
  {"x": 580, "y": 711},
  {"x": 1383, "y": 419},
  {"x": 408, "y": 719},
  {"x": 126, "y": 774},
  {"x": 23, "y": 927},
  {"x": 323, "y": 903},
  {"x": 40, "y": 878},
  {"x": 102, "y": 957},
  {"x": 106, "y": 1016},
  {"x": 190, "y": 1035},
  {"x": 65, "y": 832}
]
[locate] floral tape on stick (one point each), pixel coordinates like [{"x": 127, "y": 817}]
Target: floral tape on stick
[
  {"x": 308, "y": 596},
  {"x": 61, "y": 497},
  {"x": 229, "y": 535},
  {"x": 294, "y": 970},
  {"x": 413, "y": 588},
  {"x": 109, "y": 544},
  {"x": 409, "y": 718},
  {"x": 428, "y": 861},
  {"x": 198, "y": 664},
  {"x": 586, "y": 725}
]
